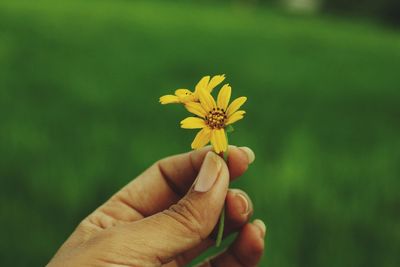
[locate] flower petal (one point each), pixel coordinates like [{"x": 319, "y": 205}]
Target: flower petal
[
  {"x": 187, "y": 99},
  {"x": 196, "y": 108},
  {"x": 202, "y": 84},
  {"x": 214, "y": 141},
  {"x": 193, "y": 123},
  {"x": 184, "y": 95},
  {"x": 238, "y": 115},
  {"x": 215, "y": 81},
  {"x": 218, "y": 140},
  {"x": 169, "y": 99},
  {"x": 182, "y": 92},
  {"x": 202, "y": 138},
  {"x": 235, "y": 105},
  {"x": 224, "y": 96},
  {"x": 206, "y": 100}
]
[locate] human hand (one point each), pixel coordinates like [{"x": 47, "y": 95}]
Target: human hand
[{"x": 166, "y": 217}]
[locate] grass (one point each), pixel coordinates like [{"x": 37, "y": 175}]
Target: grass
[{"x": 79, "y": 83}]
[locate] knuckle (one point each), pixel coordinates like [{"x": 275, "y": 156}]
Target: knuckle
[
  {"x": 86, "y": 229},
  {"x": 187, "y": 215}
]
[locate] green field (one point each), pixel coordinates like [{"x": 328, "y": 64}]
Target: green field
[{"x": 79, "y": 114}]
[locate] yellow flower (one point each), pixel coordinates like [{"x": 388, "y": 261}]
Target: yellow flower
[
  {"x": 186, "y": 96},
  {"x": 213, "y": 118}
]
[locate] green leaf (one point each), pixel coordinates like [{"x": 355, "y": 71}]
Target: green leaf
[{"x": 229, "y": 129}]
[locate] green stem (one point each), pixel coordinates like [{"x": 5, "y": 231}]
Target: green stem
[
  {"x": 222, "y": 216},
  {"x": 221, "y": 227}
]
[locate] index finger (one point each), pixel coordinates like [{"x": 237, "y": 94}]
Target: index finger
[
  {"x": 165, "y": 182},
  {"x": 180, "y": 171}
]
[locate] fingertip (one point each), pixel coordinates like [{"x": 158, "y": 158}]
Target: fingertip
[
  {"x": 255, "y": 237},
  {"x": 238, "y": 161},
  {"x": 249, "y": 246},
  {"x": 261, "y": 227},
  {"x": 249, "y": 154},
  {"x": 239, "y": 205}
]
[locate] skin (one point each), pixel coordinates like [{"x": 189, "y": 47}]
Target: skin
[{"x": 158, "y": 219}]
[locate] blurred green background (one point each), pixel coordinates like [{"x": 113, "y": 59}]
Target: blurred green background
[{"x": 79, "y": 118}]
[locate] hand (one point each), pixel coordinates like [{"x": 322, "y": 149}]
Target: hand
[{"x": 166, "y": 217}]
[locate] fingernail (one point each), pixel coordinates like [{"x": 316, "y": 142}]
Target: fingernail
[
  {"x": 208, "y": 172},
  {"x": 241, "y": 201},
  {"x": 249, "y": 153},
  {"x": 260, "y": 224}
]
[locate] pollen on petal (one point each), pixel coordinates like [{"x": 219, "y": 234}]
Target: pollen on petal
[
  {"x": 182, "y": 92},
  {"x": 184, "y": 95},
  {"x": 169, "y": 99}
]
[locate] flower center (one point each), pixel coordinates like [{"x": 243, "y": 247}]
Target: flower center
[{"x": 216, "y": 118}]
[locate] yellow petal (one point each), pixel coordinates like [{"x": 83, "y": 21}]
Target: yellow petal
[
  {"x": 187, "y": 99},
  {"x": 235, "y": 105},
  {"x": 182, "y": 92},
  {"x": 222, "y": 140},
  {"x": 202, "y": 84},
  {"x": 224, "y": 96},
  {"x": 202, "y": 138},
  {"x": 169, "y": 99},
  {"x": 218, "y": 140},
  {"x": 196, "y": 109},
  {"x": 193, "y": 123},
  {"x": 238, "y": 115},
  {"x": 184, "y": 95},
  {"x": 215, "y": 81},
  {"x": 214, "y": 141},
  {"x": 206, "y": 100}
]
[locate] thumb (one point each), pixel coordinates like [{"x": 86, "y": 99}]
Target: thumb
[{"x": 161, "y": 237}]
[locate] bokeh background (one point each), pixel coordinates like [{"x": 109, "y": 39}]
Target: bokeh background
[{"x": 79, "y": 116}]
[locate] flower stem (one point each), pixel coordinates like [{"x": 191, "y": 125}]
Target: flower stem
[
  {"x": 221, "y": 227},
  {"x": 222, "y": 216}
]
